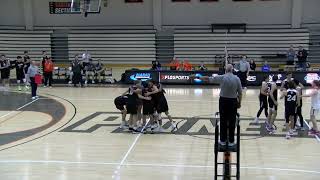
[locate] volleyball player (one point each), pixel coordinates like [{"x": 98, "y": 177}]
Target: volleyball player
[
  {"x": 315, "y": 106},
  {"x": 148, "y": 109},
  {"x": 291, "y": 96},
  {"x": 5, "y": 71},
  {"x": 27, "y": 62},
  {"x": 299, "y": 108},
  {"x": 161, "y": 103},
  {"x": 20, "y": 72},
  {"x": 273, "y": 104},
  {"x": 263, "y": 99},
  {"x": 120, "y": 102},
  {"x": 134, "y": 96}
]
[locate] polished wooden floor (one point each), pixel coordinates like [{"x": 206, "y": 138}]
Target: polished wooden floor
[{"x": 84, "y": 143}]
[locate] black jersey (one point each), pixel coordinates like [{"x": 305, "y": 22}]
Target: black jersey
[
  {"x": 19, "y": 66},
  {"x": 275, "y": 92},
  {"x": 291, "y": 98}
]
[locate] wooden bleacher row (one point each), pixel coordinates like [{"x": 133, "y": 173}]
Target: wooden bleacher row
[
  {"x": 14, "y": 42},
  {"x": 204, "y": 46},
  {"x": 114, "y": 48}
]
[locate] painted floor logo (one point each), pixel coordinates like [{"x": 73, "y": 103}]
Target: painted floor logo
[{"x": 185, "y": 126}]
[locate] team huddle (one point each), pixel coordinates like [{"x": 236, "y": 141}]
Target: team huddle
[
  {"x": 291, "y": 92},
  {"x": 143, "y": 102}
]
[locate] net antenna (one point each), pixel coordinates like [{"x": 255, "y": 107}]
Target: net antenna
[{"x": 226, "y": 51}]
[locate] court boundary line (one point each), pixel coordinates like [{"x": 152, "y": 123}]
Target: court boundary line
[
  {"x": 153, "y": 165},
  {"x": 19, "y": 108}
]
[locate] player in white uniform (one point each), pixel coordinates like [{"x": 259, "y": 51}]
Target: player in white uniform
[{"x": 315, "y": 106}]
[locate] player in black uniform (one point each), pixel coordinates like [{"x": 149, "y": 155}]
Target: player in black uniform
[
  {"x": 120, "y": 102},
  {"x": 5, "y": 70},
  {"x": 263, "y": 99},
  {"x": 291, "y": 96},
  {"x": 148, "y": 109},
  {"x": 273, "y": 104},
  {"x": 27, "y": 62},
  {"x": 161, "y": 103},
  {"x": 299, "y": 108},
  {"x": 134, "y": 96},
  {"x": 20, "y": 72}
]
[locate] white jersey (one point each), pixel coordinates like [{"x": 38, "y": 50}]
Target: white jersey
[{"x": 315, "y": 100}]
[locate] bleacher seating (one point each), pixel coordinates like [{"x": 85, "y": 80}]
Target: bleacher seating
[
  {"x": 15, "y": 42},
  {"x": 114, "y": 46},
  {"x": 197, "y": 45}
]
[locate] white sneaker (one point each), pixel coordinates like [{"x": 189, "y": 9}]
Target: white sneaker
[
  {"x": 44, "y": 86},
  {"x": 172, "y": 127},
  {"x": 70, "y": 82},
  {"x": 93, "y": 82},
  {"x": 86, "y": 82},
  {"x": 123, "y": 125},
  {"x": 256, "y": 120},
  {"x": 288, "y": 136},
  {"x": 222, "y": 143},
  {"x": 33, "y": 98}
]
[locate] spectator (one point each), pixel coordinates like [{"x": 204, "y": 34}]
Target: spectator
[
  {"x": 32, "y": 72},
  {"x": 156, "y": 65},
  {"x": 20, "y": 72},
  {"x": 253, "y": 65},
  {"x": 89, "y": 72},
  {"x": 86, "y": 58},
  {"x": 77, "y": 67},
  {"x": 266, "y": 67},
  {"x": 202, "y": 67},
  {"x": 174, "y": 64},
  {"x": 244, "y": 69},
  {"x": 291, "y": 54},
  {"x": 48, "y": 72},
  {"x": 302, "y": 58},
  {"x": 187, "y": 66},
  {"x": 100, "y": 70}
]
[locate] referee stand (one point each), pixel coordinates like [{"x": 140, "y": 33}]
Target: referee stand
[{"x": 226, "y": 151}]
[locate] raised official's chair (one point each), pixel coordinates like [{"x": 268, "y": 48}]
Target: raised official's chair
[{"x": 226, "y": 150}]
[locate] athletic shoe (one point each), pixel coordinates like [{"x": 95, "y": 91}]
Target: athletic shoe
[
  {"x": 291, "y": 132},
  {"x": 256, "y": 120},
  {"x": 33, "y": 98},
  {"x": 19, "y": 88},
  {"x": 44, "y": 86},
  {"x": 222, "y": 143},
  {"x": 288, "y": 136},
  {"x": 123, "y": 125},
  {"x": 231, "y": 145},
  {"x": 302, "y": 128},
  {"x": 70, "y": 82},
  {"x": 86, "y": 82},
  {"x": 93, "y": 82},
  {"x": 173, "y": 127}
]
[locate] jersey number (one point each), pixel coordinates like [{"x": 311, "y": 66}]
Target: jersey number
[{"x": 291, "y": 98}]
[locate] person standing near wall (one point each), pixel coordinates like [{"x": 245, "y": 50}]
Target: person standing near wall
[
  {"x": 76, "y": 71},
  {"x": 302, "y": 58},
  {"x": 27, "y": 60},
  {"x": 291, "y": 54},
  {"x": 33, "y": 70},
  {"x": 5, "y": 71},
  {"x": 244, "y": 68},
  {"x": 48, "y": 72},
  {"x": 253, "y": 65}
]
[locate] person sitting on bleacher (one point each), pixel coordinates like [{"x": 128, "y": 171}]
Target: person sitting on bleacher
[
  {"x": 202, "y": 67},
  {"x": 90, "y": 72},
  {"x": 174, "y": 64},
  {"x": 100, "y": 70},
  {"x": 187, "y": 66},
  {"x": 266, "y": 67}
]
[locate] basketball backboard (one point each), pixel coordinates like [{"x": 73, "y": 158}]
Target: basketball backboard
[{"x": 85, "y": 6}]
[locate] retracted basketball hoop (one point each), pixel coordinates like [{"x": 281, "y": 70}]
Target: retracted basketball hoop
[{"x": 86, "y": 7}]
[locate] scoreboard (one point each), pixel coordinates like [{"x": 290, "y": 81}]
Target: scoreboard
[{"x": 64, "y": 8}]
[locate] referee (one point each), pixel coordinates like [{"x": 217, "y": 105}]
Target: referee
[{"x": 230, "y": 100}]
